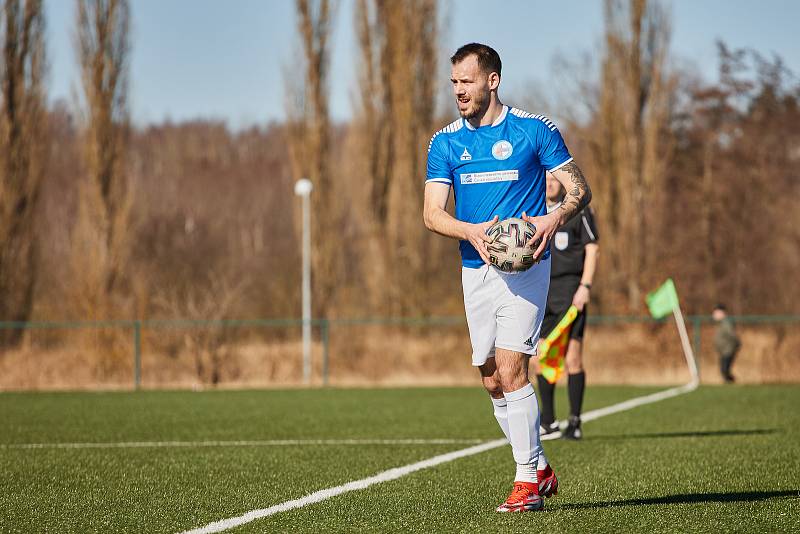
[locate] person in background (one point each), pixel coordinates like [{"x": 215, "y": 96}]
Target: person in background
[
  {"x": 573, "y": 253},
  {"x": 726, "y": 341}
]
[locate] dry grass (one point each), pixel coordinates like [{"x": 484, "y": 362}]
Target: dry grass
[
  {"x": 381, "y": 356},
  {"x": 75, "y": 362}
]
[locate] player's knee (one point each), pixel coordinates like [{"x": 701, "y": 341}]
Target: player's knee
[
  {"x": 514, "y": 380},
  {"x": 493, "y": 387},
  {"x": 512, "y": 371},
  {"x": 495, "y": 391}
]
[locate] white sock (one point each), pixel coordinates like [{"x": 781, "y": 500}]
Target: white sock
[
  {"x": 523, "y": 426},
  {"x": 526, "y": 473},
  {"x": 541, "y": 465},
  {"x": 501, "y": 414}
]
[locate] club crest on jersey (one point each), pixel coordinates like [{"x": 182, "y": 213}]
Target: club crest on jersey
[
  {"x": 466, "y": 156},
  {"x": 502, "y": 150}
]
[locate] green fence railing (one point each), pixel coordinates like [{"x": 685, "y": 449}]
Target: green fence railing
[{"x": 325, "y": 325}]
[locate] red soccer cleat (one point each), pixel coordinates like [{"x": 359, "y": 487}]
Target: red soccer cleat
[
  {"x": 548, "y": 483},
  {"x": 524, "y": 498}
]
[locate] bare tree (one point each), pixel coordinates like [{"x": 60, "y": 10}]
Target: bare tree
[
  {"x": 742, "y": 157},
  {"x": 398, "y": 48},
  {"x": 309, "y": 135},
  {"x": 22, "y": 156},
  {"x": 633, "y": 114},
  {"x": 210, "y": 301},
  {"x": 101, "y": 240},
  {"x": 372, "y": 123}
]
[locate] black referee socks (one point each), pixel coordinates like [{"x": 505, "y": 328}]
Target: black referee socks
[
  {"x": 546, "y": 392},
  {"x": 575, "y": 385}
]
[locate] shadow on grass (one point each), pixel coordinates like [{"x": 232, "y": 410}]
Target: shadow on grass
[
  {"x": 690, "y": 434},
  {"x": 689, "y": 498}
]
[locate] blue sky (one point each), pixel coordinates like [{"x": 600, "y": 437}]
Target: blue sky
[{"x": 225, "y": 59}]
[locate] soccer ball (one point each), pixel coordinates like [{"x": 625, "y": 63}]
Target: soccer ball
[{"x": 508, "y": 251}]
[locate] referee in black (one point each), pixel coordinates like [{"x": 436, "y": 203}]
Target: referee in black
[{"x": 573, "y": 253}]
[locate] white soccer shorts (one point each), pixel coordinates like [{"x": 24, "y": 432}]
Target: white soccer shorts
[{"x": 504, "y": 310}]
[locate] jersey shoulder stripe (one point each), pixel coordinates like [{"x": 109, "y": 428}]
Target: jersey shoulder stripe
[
  {"x": 453, "y": 127},
  {"x": 525, "y": 115}
]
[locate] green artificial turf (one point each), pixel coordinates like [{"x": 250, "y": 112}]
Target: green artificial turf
[{"x": 718, "y": 459}]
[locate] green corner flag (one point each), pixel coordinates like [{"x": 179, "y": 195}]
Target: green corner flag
[{"x": 663, "y": 300}]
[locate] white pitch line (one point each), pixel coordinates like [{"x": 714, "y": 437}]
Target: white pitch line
[
  {"x": 321, "y": 495},
  {"x": 255, "y": 443},
  {"x": 398, "y": 472},
  {"x": 638, "y": 401}
]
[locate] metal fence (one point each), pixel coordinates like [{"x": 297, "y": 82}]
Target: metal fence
[{"x": 324, "y": 327}]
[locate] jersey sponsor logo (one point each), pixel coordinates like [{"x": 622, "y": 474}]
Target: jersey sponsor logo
[
  {"x": 561, "y": 240},
  {"x": 466, "y": 156},
  {"x": 502, "y": 150},
  {"x": 488, "y": 177},
  {"x": 529, "y": 341}
]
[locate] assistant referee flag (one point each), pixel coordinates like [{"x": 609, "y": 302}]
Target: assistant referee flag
[
  {"x": 553, "y": 348},
  {"x": 663, "y": 300}
]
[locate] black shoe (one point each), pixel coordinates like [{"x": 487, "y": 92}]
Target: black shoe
[
  {"x": 573, "y": 430},
  {"x": 551, "y": 431},
  {"x": 729, "y": 379}
]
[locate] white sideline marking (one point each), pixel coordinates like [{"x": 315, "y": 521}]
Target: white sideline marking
[
  {"x": 321, "y": 495},
  {"x": 638, "y": 401},
  {"x": 398, "y": 472},
  {"x": 256, "y": 443}
]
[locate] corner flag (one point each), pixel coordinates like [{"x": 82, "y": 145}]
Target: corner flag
[
  {"x": 553, "y": 348},
  {"x": 663, "y": 300}
]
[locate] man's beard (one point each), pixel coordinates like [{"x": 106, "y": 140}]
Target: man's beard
[{"x": 478, "y": 107}]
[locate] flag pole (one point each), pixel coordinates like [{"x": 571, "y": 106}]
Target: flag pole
[{"x": 687, "y": 347}]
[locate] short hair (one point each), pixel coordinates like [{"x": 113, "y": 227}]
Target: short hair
[
  {"x": 488, "y": 58},
  {"x": 720, "y": 306}
]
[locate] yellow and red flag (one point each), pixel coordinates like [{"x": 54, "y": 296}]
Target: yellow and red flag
[{"x": 553, "y": 348}]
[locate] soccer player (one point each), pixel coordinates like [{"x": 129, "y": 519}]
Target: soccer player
[
  {"x": 494, "y": 158},
  {"x": 573, "y": 256}
]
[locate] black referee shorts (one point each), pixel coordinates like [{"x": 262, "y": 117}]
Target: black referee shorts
[{"x": 559, "y": 299}]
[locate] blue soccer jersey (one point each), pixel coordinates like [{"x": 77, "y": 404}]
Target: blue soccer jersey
[{"x": 497, "y": 169}]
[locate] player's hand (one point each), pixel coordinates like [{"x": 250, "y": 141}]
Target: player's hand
[
  {"x": 476, "y": 235},
  {"x": 581, "y": 297},
  {"x": 546, "y": 227}
]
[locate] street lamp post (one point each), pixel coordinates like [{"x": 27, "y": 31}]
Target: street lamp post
[{"x": 302, "y": 188}]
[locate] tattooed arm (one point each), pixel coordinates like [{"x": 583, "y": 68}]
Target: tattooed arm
[
  {"x": 577, "y": 197},
  {"x": 578, "y": 193}
]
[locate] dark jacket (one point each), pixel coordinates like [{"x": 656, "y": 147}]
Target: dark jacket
[{"x": 725, "y": 340}]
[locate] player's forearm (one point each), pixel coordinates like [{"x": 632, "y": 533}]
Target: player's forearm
[
  {"x": 589, "y": 263},
  {"x": 439, "y": 221},
  {"x": 578, "y": 193}
]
